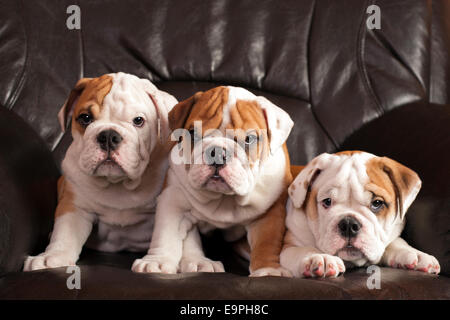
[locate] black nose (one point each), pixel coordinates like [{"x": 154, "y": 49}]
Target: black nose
[
  {"x": 216, "y": 156},
  {"x": 349, "y": 227},
  {"x": 109, "y": 139}
]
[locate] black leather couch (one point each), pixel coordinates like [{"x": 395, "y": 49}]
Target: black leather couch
[{"x": 385, "y": 91}]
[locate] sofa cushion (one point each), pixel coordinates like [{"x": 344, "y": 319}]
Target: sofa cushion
[{"x": 111, "y": 278}]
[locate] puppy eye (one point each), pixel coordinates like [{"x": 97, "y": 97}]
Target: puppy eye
[
  {"x": 376, "y": 205},
  {"x": 193, "y": 135},
  {"x": 138, "y": 121},
  {"x": 84, "y": 119},
  {"x": 326, "y": 203},
  {"x": 250, "y": 139}
]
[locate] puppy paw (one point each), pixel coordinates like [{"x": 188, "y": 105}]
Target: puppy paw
[
  {"x": 155, "y": 263},
  {"x": 48, "y": 260},
  {"x": 275, "y": 272},
  {"x": 322, "y": 265},
  {"x": 414, "y": 260},
  {"x": 200, "y": 264}
]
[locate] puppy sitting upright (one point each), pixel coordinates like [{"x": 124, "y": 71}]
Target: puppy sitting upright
[
  {"x": 112, "y": 171},
  {"x": 232, "y": 174},
  {"x": 350, "y": 207}
]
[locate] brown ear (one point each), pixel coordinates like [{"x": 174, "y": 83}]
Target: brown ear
[
  {"x": 301, "y": 186},
  {"x": 66, "y": 111},
  {"x": 406, "y": 183},
  {"x": 180, "y": 112}
]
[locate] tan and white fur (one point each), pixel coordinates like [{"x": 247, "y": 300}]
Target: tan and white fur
[
  {"x": 348, "y": 209},
  {"x": 245, "y": 196},
  {"x": 113, "y": 170}
]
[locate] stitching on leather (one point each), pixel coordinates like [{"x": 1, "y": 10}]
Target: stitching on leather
[
  {"x": 308, "y": 46},
  {"x": 81, "y": 75},
  {"x": 430, "y": 51},
  {"x": 10, "y": 103},
  {"x": 81, "y": 42},
  {"x": 361, "y": 66},
  {"x": 385, "y": 43}
]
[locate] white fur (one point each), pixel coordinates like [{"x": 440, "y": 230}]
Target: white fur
[
  {"x": 342, "y": 178},
  {"x": 121, "y": 201},
  {"x": 191, "y": 203}
]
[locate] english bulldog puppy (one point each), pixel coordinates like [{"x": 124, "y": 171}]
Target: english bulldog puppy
[
  {"x": 231, "y": 174},
  {"x": 112, "y": 171},
  {"x": 348, "y": 209}
]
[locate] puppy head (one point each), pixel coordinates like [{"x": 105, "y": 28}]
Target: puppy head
[
  {"x": 226, "y": 135},
  {"x": 117, "y": 120},
  {"x": 354, "y": 202}
]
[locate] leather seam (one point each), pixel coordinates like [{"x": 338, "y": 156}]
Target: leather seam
[
  {"x": 10, "y": 103},
  {"x": 430, "y": 53},
  {"x": 58, "y": 140},
  {"x": 81, "y": 42},
  {"x": 360, "y": 62},
  {"x": 311, "y": 108}
]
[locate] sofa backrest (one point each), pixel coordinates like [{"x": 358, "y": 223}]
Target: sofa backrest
[{"x": 316, "y": 59}]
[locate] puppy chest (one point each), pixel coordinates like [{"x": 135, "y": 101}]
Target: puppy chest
[
  {"x": 123, "y": 217},
  {"x": 223, "y": 217},
  {"x": 118, "y": 236}
]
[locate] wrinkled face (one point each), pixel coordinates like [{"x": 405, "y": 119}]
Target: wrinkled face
[
  {"x": 114, "y": 126},
  {"x": 225, "y": 140},
  {"x": 355, "y": 203}
]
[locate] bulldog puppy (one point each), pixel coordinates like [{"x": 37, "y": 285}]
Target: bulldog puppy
[
  {"x": 112, "y": 171},
  {"x": 348, "y": 209},
  {"x": 231, "y": 174}
]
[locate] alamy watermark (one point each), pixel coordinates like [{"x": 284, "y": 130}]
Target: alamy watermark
[
  {"x": 73, "y": 21},
  {"x": 374, "y": 20},
  {"x": 74, "y": 280},
  {"x": 374, "y": 280},
  {"x": 226, "y": 146}
]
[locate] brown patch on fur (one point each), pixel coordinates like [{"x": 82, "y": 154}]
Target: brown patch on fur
[
  {"x": 391, "y": 181},
  {"x": 208, "y": 108},
  {"x": 295, "y": 170},
  {"x": 381, "y": 186},
  {"x": 348, "y": 152},
  {"x": 245, "y": 117},
  {"x": 310, "y": 205},
  {"x": 91, "y": 99},
  {"x": 65, "y": 198},
  {"x": 269, "y": 230},
  {"x": 180, "y": 112}
]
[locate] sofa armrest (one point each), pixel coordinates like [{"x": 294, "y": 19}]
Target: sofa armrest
[
  {"x": 418, "y": 136},
  {"x": 28, "y": 178}
]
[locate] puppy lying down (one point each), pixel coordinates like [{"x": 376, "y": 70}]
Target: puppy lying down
[{"x": 348, "y": 209}]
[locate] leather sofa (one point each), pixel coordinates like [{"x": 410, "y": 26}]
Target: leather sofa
[{"x": 385, "y": 91}]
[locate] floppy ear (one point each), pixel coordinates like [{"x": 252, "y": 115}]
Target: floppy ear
[
  {"x": 179, "y": 114},
  {"x": 279, "y": 123},
  {"x": 65, "y": 113},
  {"x": 406, "y": 183},
  {"x": 163, "y": 103},
  {"x": 302, "y": 184}
]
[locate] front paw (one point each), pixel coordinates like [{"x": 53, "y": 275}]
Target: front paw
[
  {"x": 275, "y": 272},
  {"x": 155, "y": 263},
  {"x": 322, "y": 265},
  {"x": 414, "y": 260},
  {"x": 200, "y": 264},
  {"x": 47, "y": 260}
]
